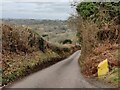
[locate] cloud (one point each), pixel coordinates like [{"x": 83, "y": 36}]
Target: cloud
[
  {"x": 36, "y": 0},
  {"x": 37, "y": 10}
]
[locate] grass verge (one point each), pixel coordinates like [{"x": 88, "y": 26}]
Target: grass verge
[
  {"x": 113, "y": 77},
  {"x": 20, "y": 66}
]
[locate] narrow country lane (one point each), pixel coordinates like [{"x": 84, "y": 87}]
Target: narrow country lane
[{"x": 64, "y": 74}]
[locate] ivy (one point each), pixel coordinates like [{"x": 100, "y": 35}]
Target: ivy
[{"x": 94, "y": 11}]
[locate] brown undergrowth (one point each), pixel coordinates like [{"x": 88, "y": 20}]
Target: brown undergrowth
[
  {"x": 99, "y": 41},
  {"x": 101, "y": 53}
]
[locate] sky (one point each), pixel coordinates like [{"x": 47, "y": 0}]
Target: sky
[
  {"x": 36, "y": 0},
  {"x": 36, "y": 9}
]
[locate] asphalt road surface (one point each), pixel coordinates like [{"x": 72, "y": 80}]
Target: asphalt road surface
[{"x": 64, "y": 74}]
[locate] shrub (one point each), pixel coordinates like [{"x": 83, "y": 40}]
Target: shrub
[
  {"x": 42, "y": 44},
  {"x": 44, "y": 35},
  {"x": 98, "y": 11},
  {"x": 20, "y": 39},
  {"x": 93, "y": 18},
  {"x": 67, "y": 41},
  {"x": 87, "y": 9},
  {"x": 79, "y": 37}
]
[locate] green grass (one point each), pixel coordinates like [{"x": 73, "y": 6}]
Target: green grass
[{"x": 113, "y": 76}]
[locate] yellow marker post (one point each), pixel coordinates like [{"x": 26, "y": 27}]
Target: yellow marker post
[{"x": 103, "y": 68}]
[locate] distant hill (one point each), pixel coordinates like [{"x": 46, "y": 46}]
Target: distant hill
[{"x": 55, "y": 31}]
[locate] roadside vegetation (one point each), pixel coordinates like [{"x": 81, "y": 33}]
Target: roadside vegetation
[
  {"x": 0, "y": 56},
  {"x": 25, "y": 51},
  {"x": 98, "y": 26}
]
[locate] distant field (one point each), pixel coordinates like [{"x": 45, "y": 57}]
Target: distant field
[{"x": 55, "y": 31}]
